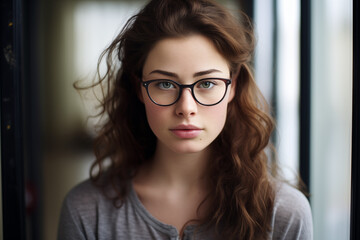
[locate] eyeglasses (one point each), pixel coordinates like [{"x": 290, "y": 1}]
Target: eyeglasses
[{"x": 207, "y": 91}]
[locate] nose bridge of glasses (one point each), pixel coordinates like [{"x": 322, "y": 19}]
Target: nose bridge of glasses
[
  {"x": 186, "y": 103},
  {"x": 184, "y": 86},
  {"x": 186, "y": 89}
]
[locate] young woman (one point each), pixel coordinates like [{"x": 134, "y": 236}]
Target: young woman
[{"x": 181, "y": 154}]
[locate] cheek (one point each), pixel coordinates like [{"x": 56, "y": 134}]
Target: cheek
[
  {"x": 217, "y": 116},
  {"x": 155, "y": 116},
  {"x": 150, "y": 108},
  {"x": 152, "y": 112}
]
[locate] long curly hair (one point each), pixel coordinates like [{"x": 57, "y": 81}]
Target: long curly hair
[{"x": 242, "y": 195}]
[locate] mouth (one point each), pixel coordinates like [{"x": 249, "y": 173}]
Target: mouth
[{"x": 186, "y": 131}]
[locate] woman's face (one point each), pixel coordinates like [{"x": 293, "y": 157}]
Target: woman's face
[{"x": 186, "y": 126}]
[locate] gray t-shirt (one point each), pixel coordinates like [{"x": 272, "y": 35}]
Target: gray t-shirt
[{"x": 87, "y": 214}]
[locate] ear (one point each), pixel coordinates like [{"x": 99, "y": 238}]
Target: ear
[
  {"x": 139, "y": 91},
  {"x": 140, "y": 95},
  {"x": 233, "y": 86},
  {"x": 232, "y": 90}
]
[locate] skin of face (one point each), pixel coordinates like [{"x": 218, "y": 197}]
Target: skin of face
[{"x": 185, "y": 60}]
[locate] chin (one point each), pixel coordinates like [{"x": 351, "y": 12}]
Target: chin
[{"x": 188, "y": 148}]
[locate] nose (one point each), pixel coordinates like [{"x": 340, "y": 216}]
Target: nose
[{"x": 186, "y": 106}]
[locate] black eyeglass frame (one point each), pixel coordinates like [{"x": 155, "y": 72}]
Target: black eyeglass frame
[{"x": 182, "y": 86}]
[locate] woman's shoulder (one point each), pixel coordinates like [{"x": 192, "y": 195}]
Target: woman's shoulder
[
  {"x": 85, "y": 191},
  {"x": 286, "y": 196},
  {"x": 85, "y": 210},
  {"x": 77, "y": 211},
  {"x": 292, "y": 218},
  {"x": 83, "y": 197}
]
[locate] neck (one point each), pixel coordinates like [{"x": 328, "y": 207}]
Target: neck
[{"x": 178, "y": 170}]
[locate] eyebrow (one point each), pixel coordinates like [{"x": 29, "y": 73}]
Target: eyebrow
[
  {"x": 202, "y": 73},
  {"x": 171, "y": 74}
]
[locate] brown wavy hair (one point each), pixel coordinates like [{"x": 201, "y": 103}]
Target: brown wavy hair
[{"x": 242, "y": 197}]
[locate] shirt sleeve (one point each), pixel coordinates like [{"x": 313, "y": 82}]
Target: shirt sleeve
[{"x": 292, "y": 218}]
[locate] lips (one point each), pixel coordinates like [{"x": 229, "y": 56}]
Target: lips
[{"x": 186, "y": 131}]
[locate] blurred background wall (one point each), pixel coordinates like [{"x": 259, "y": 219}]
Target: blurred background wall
[{"x": 69, "y": 36}]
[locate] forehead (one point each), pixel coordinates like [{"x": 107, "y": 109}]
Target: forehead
[{"x": 185, "y": 55}]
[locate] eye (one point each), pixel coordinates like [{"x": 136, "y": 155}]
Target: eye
[
  {"x": 206, "y": 84},
  {"x": 165, "y": 85}
]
